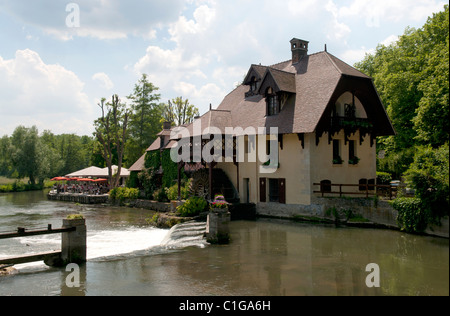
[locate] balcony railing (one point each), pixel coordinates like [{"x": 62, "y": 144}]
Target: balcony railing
[{"x": 338, "y": 122}]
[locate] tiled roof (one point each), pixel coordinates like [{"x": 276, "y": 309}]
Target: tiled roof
[
  {"x": 312, "y": 83},
  {"x": 138, "y": 165}
]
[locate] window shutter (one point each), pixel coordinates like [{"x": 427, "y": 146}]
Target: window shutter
[
  {"x": 282, "y": 191},
  {"x": 262, "y": 189}
]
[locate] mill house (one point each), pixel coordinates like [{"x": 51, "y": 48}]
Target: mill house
[{"x": 327, "y": 115}]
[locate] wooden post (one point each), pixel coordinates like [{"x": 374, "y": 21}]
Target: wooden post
[{"x": 210, "y": 182}]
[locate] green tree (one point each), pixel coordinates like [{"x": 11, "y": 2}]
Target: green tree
[
  {"x": 429, "y": 176},
  {"x": 179, "y": 112},
  {"x": 411, "y": 76},
  {"x": 30, "y": 156},
  {"x": 145, "y": 118},
  {"x": 111, "y": 132},
  {"x": 6, "y": 168}
]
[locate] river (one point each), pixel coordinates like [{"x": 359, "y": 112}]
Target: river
[{"x": 265, "y": 257}]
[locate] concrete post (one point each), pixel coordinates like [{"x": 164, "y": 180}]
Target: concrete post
[
  {"x": 217, "y": 228},
  {"x": 73, "y": 244}
]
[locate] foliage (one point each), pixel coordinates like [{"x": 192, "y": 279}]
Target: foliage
[
  {"x": 111, "y": 132},
  {"x": 354, "y": 161},
  {"x": 147, "y": 179},
  {"x": 412, "y": 215},
  {"x": 192, "y": 207},
  {"x": 160, "y": 195},
  {"x": 412, "y": 78},
  {"x": 172, "y": 192},
  {"x": 120, "y": 194},
  {"x": 429, "y": 176},
  {"x": 75, "y": 216},
  {"x": 384, "y": 178},
  {"x": 170, "y": 169},
  {"x": 144, "y": 124},
  {"x": 338, "y": 161},
  {"x": 180, "y": 112},
  {"x": 153, "y": 159}
]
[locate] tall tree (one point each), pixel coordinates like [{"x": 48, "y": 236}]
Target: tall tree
[
  {"x": 180, "y": 112},
  {"x": 30, "y": 156},
  {"x": 145, "y": 118},
  {"x": 412, "y": 77},
  {"x": 111, "y": 132}
]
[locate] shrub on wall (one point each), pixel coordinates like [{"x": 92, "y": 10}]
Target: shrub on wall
[
  {"x": 413, "y": 217},
  {"x": 192, "y": 207}
]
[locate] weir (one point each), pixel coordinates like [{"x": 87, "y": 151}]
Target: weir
[{"x": 73, "y": 244}]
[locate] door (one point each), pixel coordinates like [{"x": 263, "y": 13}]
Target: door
[
  {"x": 282, "y": 191},
  {"x": 262, "y": 190}
]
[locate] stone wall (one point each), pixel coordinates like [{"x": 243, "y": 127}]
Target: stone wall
[{"x": 375, "y": 212}]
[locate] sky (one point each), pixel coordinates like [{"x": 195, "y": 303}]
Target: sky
[{"x": 58, "y": 58}]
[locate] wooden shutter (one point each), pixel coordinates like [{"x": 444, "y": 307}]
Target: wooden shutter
[
  {"x": 282, "y": 190},
  {"x": 262, "y": 189}
]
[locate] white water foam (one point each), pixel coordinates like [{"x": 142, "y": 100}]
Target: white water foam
[
  {"x": 108, "y": 245},
  {"x": 101, "y": 245}
]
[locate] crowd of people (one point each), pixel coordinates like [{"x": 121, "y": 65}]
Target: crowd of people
[{"x": 83, "y": 188}]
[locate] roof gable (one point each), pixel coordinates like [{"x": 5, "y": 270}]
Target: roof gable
[
  {"x": 278, "y": 80},
  {"x": 256, "y": 71}
]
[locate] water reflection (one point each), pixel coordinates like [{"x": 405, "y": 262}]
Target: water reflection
[{"x": 265, "y": 257}]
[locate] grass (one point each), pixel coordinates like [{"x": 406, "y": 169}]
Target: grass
[
  {"x": 21, "y": 185},
  {"x": 6, "y": 181}
]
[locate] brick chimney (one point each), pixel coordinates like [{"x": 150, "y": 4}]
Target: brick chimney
[{"x": 299, "y": 49}]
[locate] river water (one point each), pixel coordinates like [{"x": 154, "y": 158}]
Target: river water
[{"x": 264, "y": 258}]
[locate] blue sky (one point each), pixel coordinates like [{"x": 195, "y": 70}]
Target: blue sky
[{"x": 54, "y": 71}]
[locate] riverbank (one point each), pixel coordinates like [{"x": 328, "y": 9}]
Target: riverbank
[{"x": 14, "y": 186}]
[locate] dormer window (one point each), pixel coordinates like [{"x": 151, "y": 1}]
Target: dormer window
[
  {"x": 273, "y": 104},
  {"x": 253, "y": 85}
]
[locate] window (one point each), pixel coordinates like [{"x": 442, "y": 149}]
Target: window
[
  {"x": 352, "y": 158},
  {"x": 337, "y": 160},
  {"x": 362, "y": 184},
  {"x": 253, "y": 84},
  {"x": 351, "y": 150},
  {"x": 273, "y": 103},
  {"x": 277, "y": 191},
  {"x": 274, "y": 193},
  {"x": 325, "y": 186}
]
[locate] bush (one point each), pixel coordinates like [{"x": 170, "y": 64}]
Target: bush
[
  {"x": 160, "y": 195},
  {"x": 172, "y": 192},
  {"x": 192, "y": 207},
  {"x": 429, "y": 176},
  {"x": 413, "y": 217},
  {"x": 121, "y": 194},
  {"x": 384, "y": 178}
]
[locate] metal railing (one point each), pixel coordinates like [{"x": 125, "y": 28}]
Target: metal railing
[{"x": 366, "y": 190}]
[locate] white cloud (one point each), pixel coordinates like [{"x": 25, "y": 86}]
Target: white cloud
[
  {"x": 353, "y": 56},
  {"x": 104, "y": 80},
  {"x": 390, "y": 40},
  {"x": 112, "y": 19},
  {"x": 38, "y": 92},
  {"x": 378, "y": 12}
]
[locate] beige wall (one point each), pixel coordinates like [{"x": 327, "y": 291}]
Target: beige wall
[
  {"x": 324, "y": 169},
  {"x": 303, "y": 167}
]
